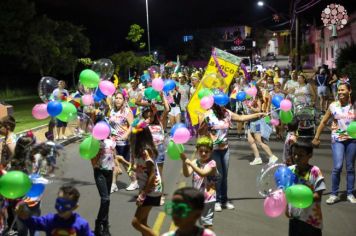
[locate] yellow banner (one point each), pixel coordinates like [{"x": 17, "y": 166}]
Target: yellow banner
[{"x": 212, "y": 79}]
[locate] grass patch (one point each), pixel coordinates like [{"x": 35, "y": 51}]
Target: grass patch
[
  {"x": 23, "y": 114},
  {"x": 7, "y": 93}
]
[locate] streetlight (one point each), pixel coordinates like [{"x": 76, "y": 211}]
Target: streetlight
[
  {"x": 260, "y": 3},
  {"x": 148, "y": 30}
]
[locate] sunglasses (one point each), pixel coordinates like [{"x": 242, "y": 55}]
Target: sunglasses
[{"x": 180, "y": 210}]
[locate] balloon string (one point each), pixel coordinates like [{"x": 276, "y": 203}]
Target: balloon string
[
  {"x": 223, "y": 74},
  {"x": 273, "y": 111}
]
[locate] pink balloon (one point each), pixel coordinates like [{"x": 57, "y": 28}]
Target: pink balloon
[
  {"x": 107, "y": 87},
  {"x": 39, "y": 111},
  {"x": 181, "y": 135},
  {"x": 157, "y": 84},
  {"x": 286, "y": 105},
  {"x": 275, "y": 204},
  {"x": 275, "y": 122},
  {"x": 251, "y": 91},
  {"x": 87, "y": 99},
  {"x": 207, "y": 102},
  {"x": 101, "y": 130}
]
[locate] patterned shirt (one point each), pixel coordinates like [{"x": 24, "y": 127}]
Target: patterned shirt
[
  {"x": 105, "y": 158},
  {"x": 206, "y": 184},
  {"x": 311, "y": 215},
  {"x": 142, "y": 176},
  {"x": 157, "y": 134},
  {"x": 119, "y": 125},
  {"x": 342, "y": 117},
  {"x": 219, "y": 128}
]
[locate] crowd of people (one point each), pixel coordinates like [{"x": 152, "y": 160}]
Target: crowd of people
[{"x": 138, "y": 142}]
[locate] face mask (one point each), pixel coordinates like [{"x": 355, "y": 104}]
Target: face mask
[
  {"x": 180, "y": 210},
  {"x": 63, "y": 204}
]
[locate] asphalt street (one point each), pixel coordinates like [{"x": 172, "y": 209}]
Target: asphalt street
[{"x": 247, "y": 219}]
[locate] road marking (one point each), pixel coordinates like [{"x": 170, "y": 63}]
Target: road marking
[
  {"x": 159, "y": 222},
  {"x": 172, "y": 227}
]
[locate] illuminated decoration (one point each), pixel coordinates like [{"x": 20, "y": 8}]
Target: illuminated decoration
[{"x": 334, "y": 14}]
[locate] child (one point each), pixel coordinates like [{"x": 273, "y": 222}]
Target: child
[
  {"x": 147, "y": 174},
  {"x": 186, "y": 208},
  {"x": 64, "y": 222},
  {"x": 291, "y": 138},
  {"x": 204, "y": 174},
  {"x": 103, "y": 165},
  {"x": 307, "y": 221},
  {"x": 7, "y": 127},
  {"x": 61, "y": 94}
]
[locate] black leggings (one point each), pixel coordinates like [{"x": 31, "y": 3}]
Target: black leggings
[{"x": 103, "y": 181}]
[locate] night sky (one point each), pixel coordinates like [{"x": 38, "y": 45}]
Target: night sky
[{"x": 107, "y": 21}]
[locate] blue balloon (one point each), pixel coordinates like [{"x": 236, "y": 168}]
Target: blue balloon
[
  {"x": 175, "y": 127},
  {"x": 36, "y": 190},
  {"x": 241, "y": 96},
  {"x": 276, "y": 100},
  {"x": 221, "y": 99},
  {"x": 54, "y": 108},
  {"x": 169, "y": 85},
  {"x": 98, "y": 95},
  {"x": 284, "y": 177}
]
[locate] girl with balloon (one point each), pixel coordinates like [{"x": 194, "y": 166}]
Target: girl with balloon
[
  {"x": 254, "y": 132},
  {"x": 343, "y": 140},
  {"x": 7, "y": 127},
  {"x": 147, "y": 174},
  {"x": 277, "y": 91},
  {"x": 120, "y": 119},
  {"x": 304, "y": 197},
  {"x": 216, "y": 123},
  {"x": 157, "y": 126}
]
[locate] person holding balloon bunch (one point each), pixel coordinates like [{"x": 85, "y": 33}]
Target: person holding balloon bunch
[
  {"x": 216, "y": 123},
  {"x": 343, "y": 140},
  {"x": 304, "y": 210}
]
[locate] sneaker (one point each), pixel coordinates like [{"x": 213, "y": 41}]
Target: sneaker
[
  {"x": 332, "y": 199},
  {"x": 218, "y": 207},
  {"x": 57, "y": 137},
  {"x": 162, "y": 200},
  {"x": 228, "y": 206},
  {"x": 351, "y": 198},
  {"x": 51, "y": 175},
  {"x": 256, "y": 161},
  {"x": 133, "y": 186},
  {"x": 114, "y": 188},
  {"x": 64, "y": 137},
  {"x": 273, "y": 159}
]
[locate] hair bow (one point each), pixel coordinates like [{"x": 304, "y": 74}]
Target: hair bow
[
  {"x": 344, "y": 80},
  {"x": 138, "y": 125}
]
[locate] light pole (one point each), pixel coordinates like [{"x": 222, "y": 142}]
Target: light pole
[{"x": 148, "y": 30}]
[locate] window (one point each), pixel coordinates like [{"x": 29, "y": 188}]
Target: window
[
  {"x": 187, "y": 38},
  {"x": 326, "y": 53},
  {"x": 332, "y": 51}
]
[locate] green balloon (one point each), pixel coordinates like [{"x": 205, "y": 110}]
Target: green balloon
[
  {"x": 299, "y": 196},
  {"x": 14, "y": 184},
  {"x": 267, "y": 119},
  {"x": 89, "y": 148},
  {"x": 204, "y": 93},
  {"x": 69, "y": 112},
  {"x": 89, "y": 78},
  {"x": 351, "y": 129},
  {"x": 174, "y": 150},
  {"x": 150, "y": 93},
  {"x": 286, "y": 116},
  {"x": 158, "y": 98}
]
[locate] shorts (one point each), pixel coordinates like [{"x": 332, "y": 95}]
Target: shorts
[
  {"x": 322, "y": 91},
  {"x": 152, "y": 201},
  {"x": 174, "y": 111},
  {"x": 161, "y": 154},
  {"x": 60, "y": 123},
  {"x": 255, "y": 127},
  {"x": 51, "y": 160},
  {"x": 124, "y": 151},
  {"x": 207, "y": 216}
]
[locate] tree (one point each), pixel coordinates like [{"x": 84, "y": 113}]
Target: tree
[
  {"x": 135, "y": 36},
  {"x": 346, "y": 56},
  {"x": 127, "y": 60},
  {"x": 15, "y": 16},
  {"x": 53, "y": 47}
]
